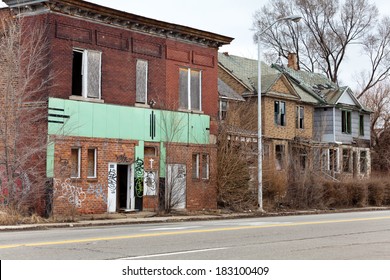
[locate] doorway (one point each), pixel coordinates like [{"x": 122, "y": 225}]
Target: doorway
[{"x": 125, "y": 189}]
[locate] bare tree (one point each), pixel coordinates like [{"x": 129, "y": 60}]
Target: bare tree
[
  {"x": 377, "y": 99},
  {"x": 24, "y": 79},
  {"x": 323, "y": 39}
]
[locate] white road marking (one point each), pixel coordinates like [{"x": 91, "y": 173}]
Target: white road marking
[
  {"x": 170, "y": 228},
  {"x": 174, "y": 253}
]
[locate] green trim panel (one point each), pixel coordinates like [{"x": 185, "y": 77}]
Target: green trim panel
[{"x": 96, "y": 120}]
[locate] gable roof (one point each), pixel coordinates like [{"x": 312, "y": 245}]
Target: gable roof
[
  {"x": 227, "y": 92},
  {"x": 321, "y": 88},
  {"x": 245, "y": 71}
]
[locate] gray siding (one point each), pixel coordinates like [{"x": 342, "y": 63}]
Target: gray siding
[{"x": 348, "y": 138}]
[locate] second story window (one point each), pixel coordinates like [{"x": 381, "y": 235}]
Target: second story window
[
  {"x": 223, "y": 108},
  {"x": 346, "y": 122},
  {"x": 86, "y": 73},
  {"x": 142, "y": 82},
  {"x": 361, "y": 125},
  {"x": 190, "y": 94},
  {"x": 300, "y": 117},
  {"x": 280, "y": 113}
]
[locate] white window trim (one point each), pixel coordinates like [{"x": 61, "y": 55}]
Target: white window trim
[
  {"x": 84, "y": 71},
  {"x": 189, "y": 90},
  {"x": 94, "y": 164},
  {"x": 78, "y": 163},
  {"x": 207, "y": 163},
  {"x": 197, "y": 176}
]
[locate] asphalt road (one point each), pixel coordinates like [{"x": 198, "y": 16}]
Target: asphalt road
[{"x": 354, "y": 236}]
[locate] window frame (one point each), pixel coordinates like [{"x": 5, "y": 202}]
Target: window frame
[
  {"x": 141, "y": 64},
  {"x": 78, "y": 163},
  {"x": 282, "y": 159},
  {"x": 279, "y": 113},
  {"x": 205, "y": 168},
  {"x": 94, "y": 163},
  {"x": 195, "y": 166},
  {"x": 188, "y": 90},
  {"x": 300, "y": 117},
  {"x": 361, "y": 125},
  {"x": 346, "y": 122},
  {"x": 85, "y": 83}
]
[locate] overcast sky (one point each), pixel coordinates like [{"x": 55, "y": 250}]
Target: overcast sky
[{"x": 232, "y": 18}]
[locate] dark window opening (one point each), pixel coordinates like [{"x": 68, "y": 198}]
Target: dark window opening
[{"x": 77, "y": 76}]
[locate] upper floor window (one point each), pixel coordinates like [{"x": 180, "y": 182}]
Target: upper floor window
[
  {"x": 346, "y": 122},
  {"x": 223, "y": 108},
  {"x": 142, "y": 81},
  {"x": 300, "y": 117},
  {"x": 361, "y": 125},
  {"x": 86, "y": 73},
  {"x": 190, "y": 83},
  {"x": 280, "y": 113}
]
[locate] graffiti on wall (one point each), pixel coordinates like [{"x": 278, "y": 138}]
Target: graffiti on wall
[
  {"x": 139, "y": 177},
  {"x": 112, "y": 179},
  {"x": 122, "y": 159},
  {"x": 67, "y": 191},
  {"x": 150, "y": 183},
  {"x": 97, "y": 189}
]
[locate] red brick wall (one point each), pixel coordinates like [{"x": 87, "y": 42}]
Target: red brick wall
[
  {"x": 201, "y": 194},
  {"x": 89, "y": 201},
  {"x": 120, "y": 50}
]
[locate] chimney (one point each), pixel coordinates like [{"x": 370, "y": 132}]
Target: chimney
[{"x": 293, "y": 61}]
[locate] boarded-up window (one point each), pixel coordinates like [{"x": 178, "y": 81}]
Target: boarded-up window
[
  {"x": 94, "y": 74},
  {"x": 75, "y": 162},
  {"x": 190, "y": 89},
  {"x": 92, "y": 155},
  {"x": 142, "y": 81}
]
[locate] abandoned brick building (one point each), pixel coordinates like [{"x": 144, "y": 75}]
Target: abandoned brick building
[{"x": 132, "y": 115}]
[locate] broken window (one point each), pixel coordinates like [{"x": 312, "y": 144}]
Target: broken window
[
  {"x": 205, "y": 166},
  {"x": 150, "y": 151},
  {"x": 86, "y": 73},
  {"x": 361, "y": 125},
  {"x": 300, "y": 117},
  {"x": 346, "y": 160},
  {"x": 92, "y": 163},
  {"x": 195, "y": 166},
  {"x": 363, "y": 162},
  {"x": 223, "y": 108},
  {"x": 75, "y": 158},
  {"x": 190, "y": 89},
  {"x": 279, "y": 157},
  {"x": 142, "y": 82},
  {"x": 346, "y": 122},
  {"x": 280, "y": 113},
  {"x": 333, "y": 160}
]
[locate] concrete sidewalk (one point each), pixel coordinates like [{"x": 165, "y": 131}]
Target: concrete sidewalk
[
  {"x": 151, "y": 217},
  {"x": 124, "y": 219}
]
